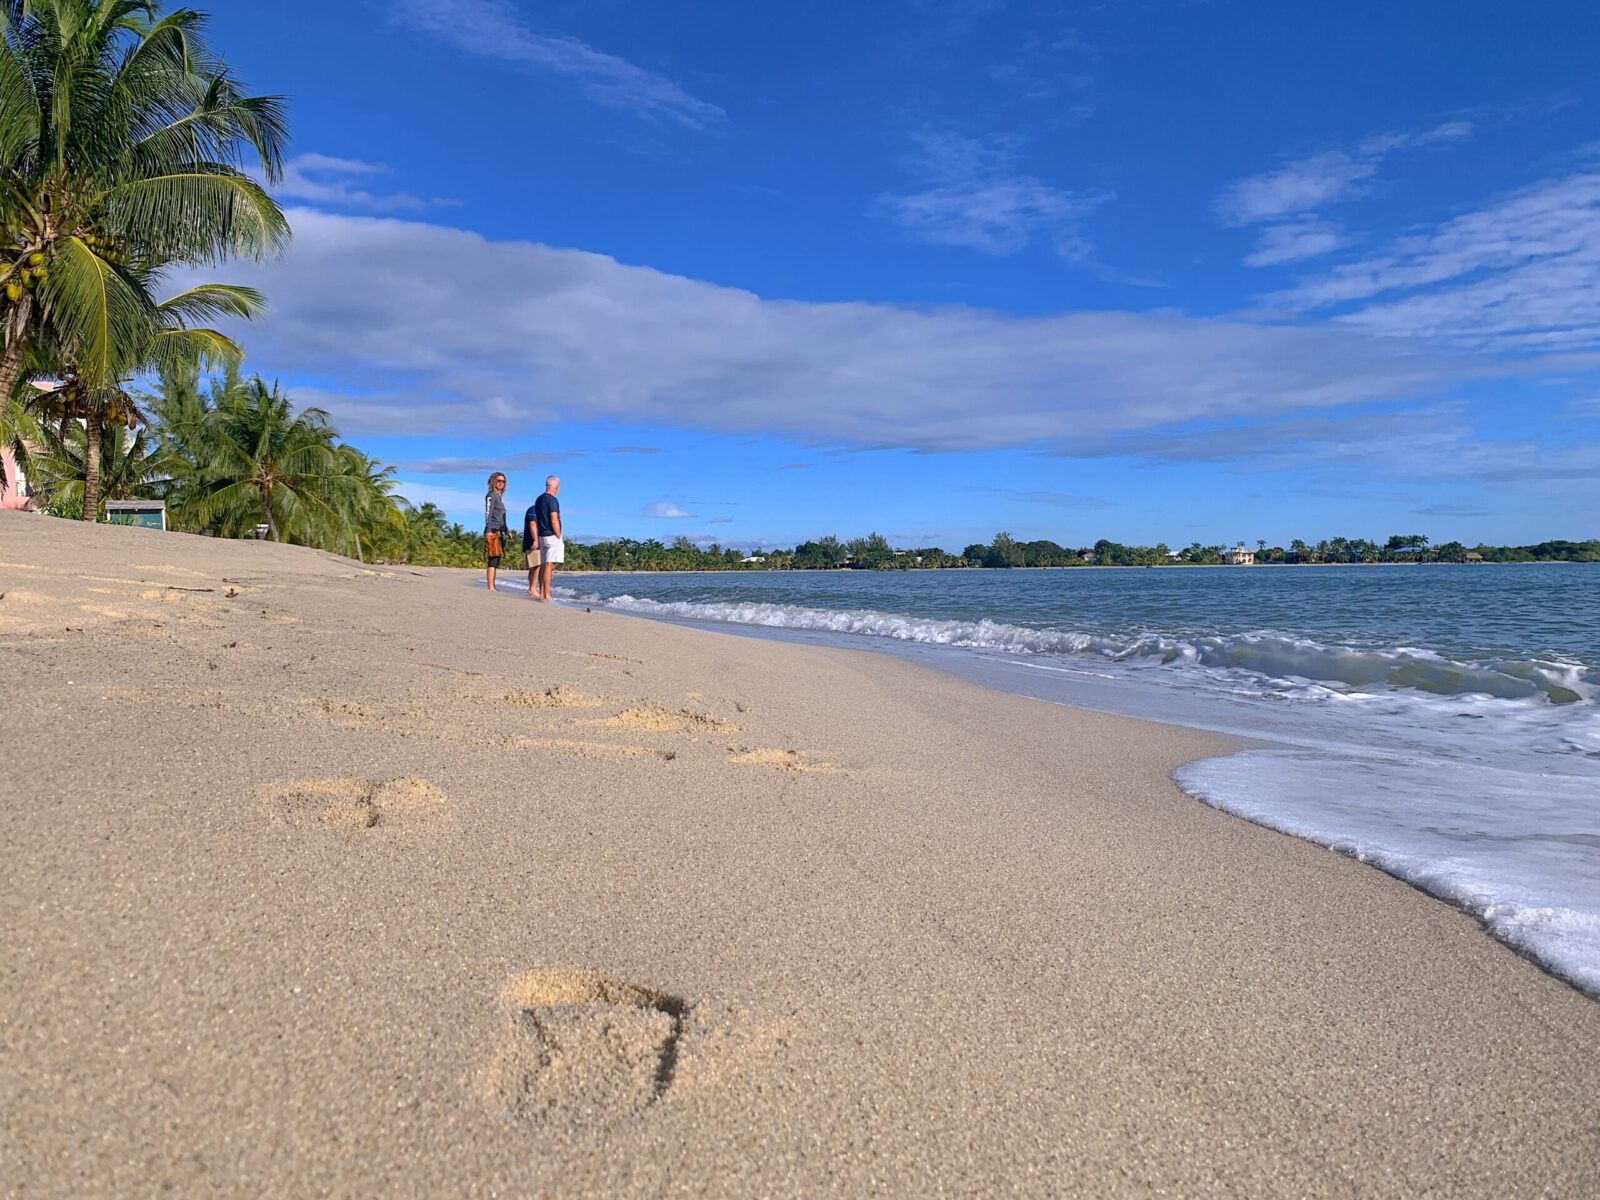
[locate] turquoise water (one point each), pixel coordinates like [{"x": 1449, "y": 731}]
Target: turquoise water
[{"x": 1441, "y": 722}]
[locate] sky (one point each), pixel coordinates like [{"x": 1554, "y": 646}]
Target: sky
[{"x": 748, "y": 272}]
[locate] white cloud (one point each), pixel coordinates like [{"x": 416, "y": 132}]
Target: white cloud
[
  {"x": 980, "y": 201},
  {"x": 460, "y": 503},
  {"x": 323, "y": 179},
  {"x": 1522, "y": 272},
  {"x": 666, "y": 510},
  {"x": 1294, "y": 242},
  {"x": 1298, "y": 187},
  {"x": 494, "y": 29},
  {"x": 1432, "y": 442},
  {"x": 428, "y": 329},
  {"x": 1290, "y": 196},
  {"x": 1306, "y": 184}
]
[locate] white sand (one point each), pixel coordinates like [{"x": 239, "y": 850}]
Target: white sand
[{"x": 366, "y": 882}]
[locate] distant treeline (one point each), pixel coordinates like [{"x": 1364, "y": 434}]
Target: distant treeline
[{"x": 457, "y": 546}]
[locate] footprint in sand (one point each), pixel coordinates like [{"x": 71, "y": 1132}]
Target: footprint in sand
[
  {"x": 593, "y": 750},
  {"x": 653, "y": 718},
  {"x": 639, "y": 662},
  {"x": 348, "y": 803},
  {"x": 778, "y": 760},
  {"x": 559, "y": 696},
  {"x": 584, "y": 1044},
  {"x": 595, "y": 1048}
]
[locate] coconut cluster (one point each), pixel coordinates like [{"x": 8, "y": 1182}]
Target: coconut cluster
[
  {"x": 34, "y": 270},
  {"x": 28, "y": 273}
]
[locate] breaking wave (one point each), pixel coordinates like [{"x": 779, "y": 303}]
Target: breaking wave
[{"x": 1290, "y": 667}]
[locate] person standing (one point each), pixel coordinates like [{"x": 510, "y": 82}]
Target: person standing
[
  {"x": 494, "y": 525},
  {"x": 530, "y": 549},
  {"x": 547, "y": 524}
]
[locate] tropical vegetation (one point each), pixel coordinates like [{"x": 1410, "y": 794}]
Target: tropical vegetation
[
  {"x": 235, "y": 456},
  {"x": 124, "y": 148}
]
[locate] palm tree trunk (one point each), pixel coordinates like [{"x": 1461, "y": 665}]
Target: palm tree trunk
[
  {"x": 21, "y": 319},
  {"x": 91, "y": 468},
  {"x": 266, "y": 516}
]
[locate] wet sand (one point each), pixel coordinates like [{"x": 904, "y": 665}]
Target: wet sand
[{"x": 323, "y": 879}]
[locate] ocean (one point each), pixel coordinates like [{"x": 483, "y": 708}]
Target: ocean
[{"x": 1439, "y": 722}]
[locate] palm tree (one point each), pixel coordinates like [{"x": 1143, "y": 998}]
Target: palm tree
[
  {"x": 368, "y": 508},
  {"x": 122, "y": 143},
  {"x": 134, "y": 464},
  {"x": 271, "y": 463},
  {"x": 174, "y": 343}
]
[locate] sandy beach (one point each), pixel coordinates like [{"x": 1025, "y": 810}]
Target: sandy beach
[{"x": 324, "y": 879}]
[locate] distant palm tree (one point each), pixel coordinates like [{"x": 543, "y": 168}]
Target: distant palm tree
[
  {"x": 368, "y": 506},
  {"x": 122, "y": 143},
  {"x": 134, "y": 464},
  {"x": 268, "y": 462}
]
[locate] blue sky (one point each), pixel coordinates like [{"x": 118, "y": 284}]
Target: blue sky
[{"x": 1143, "y": 270}]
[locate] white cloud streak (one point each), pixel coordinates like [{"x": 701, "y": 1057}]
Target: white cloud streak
[
  {"x": 344, "y": 183},
  {"x": 428, "y": 329},
  {"x": 1307, "y": 184},
  {"x": 666, "y": 510},
  {"x": 1296, "y": 241},
  {"x": 1296, "y": 190},
  {"x": 978, "y": 200},
  {"x": 494, "y": 29},
  {"x": 1522, "y": 272}
]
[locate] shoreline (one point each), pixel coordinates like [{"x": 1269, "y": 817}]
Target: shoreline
[
  {"x": 1085, "y": 566},
  {"x": 966, "y": 664},
  {"x": 892, "y": 926}
]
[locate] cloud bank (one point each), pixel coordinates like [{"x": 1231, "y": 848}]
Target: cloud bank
[{"x": 409, "y": 327}]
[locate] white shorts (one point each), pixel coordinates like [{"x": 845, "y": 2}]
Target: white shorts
[{"x": 551, "y": 550}]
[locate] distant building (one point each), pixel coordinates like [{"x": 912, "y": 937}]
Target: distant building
[
  {"x": 1474, "y": 557},
  {"x": 1240, "y": 557},
  {"x": 754, "y": 558},
  {"x": 1088, "y": 556},
  {"x": 148, "y": 514}
]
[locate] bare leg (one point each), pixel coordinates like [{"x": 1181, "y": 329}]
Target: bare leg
[
  {"x": 491, "y": 579},
  {"x": 545, "y": 571}
]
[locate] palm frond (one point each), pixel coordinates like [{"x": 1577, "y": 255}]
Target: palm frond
[
  {"x": 204, "y": 347},
  {"x": 102, "y": 323},
  {"x": 204, "y": 214},
  {"x": 208, "y": 301}
]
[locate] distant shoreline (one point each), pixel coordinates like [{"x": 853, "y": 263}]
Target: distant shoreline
[{"x": 1535, "y": 562}]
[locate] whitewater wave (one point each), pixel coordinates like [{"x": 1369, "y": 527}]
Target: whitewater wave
[
  {"x": 1289, "y": 667},
  {"x": 1521, "y": 858}
]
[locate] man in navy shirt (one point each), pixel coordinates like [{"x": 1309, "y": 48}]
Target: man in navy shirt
[
  {"x": 546, "y": 525},
  {"x": 530, "y": 550}
]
